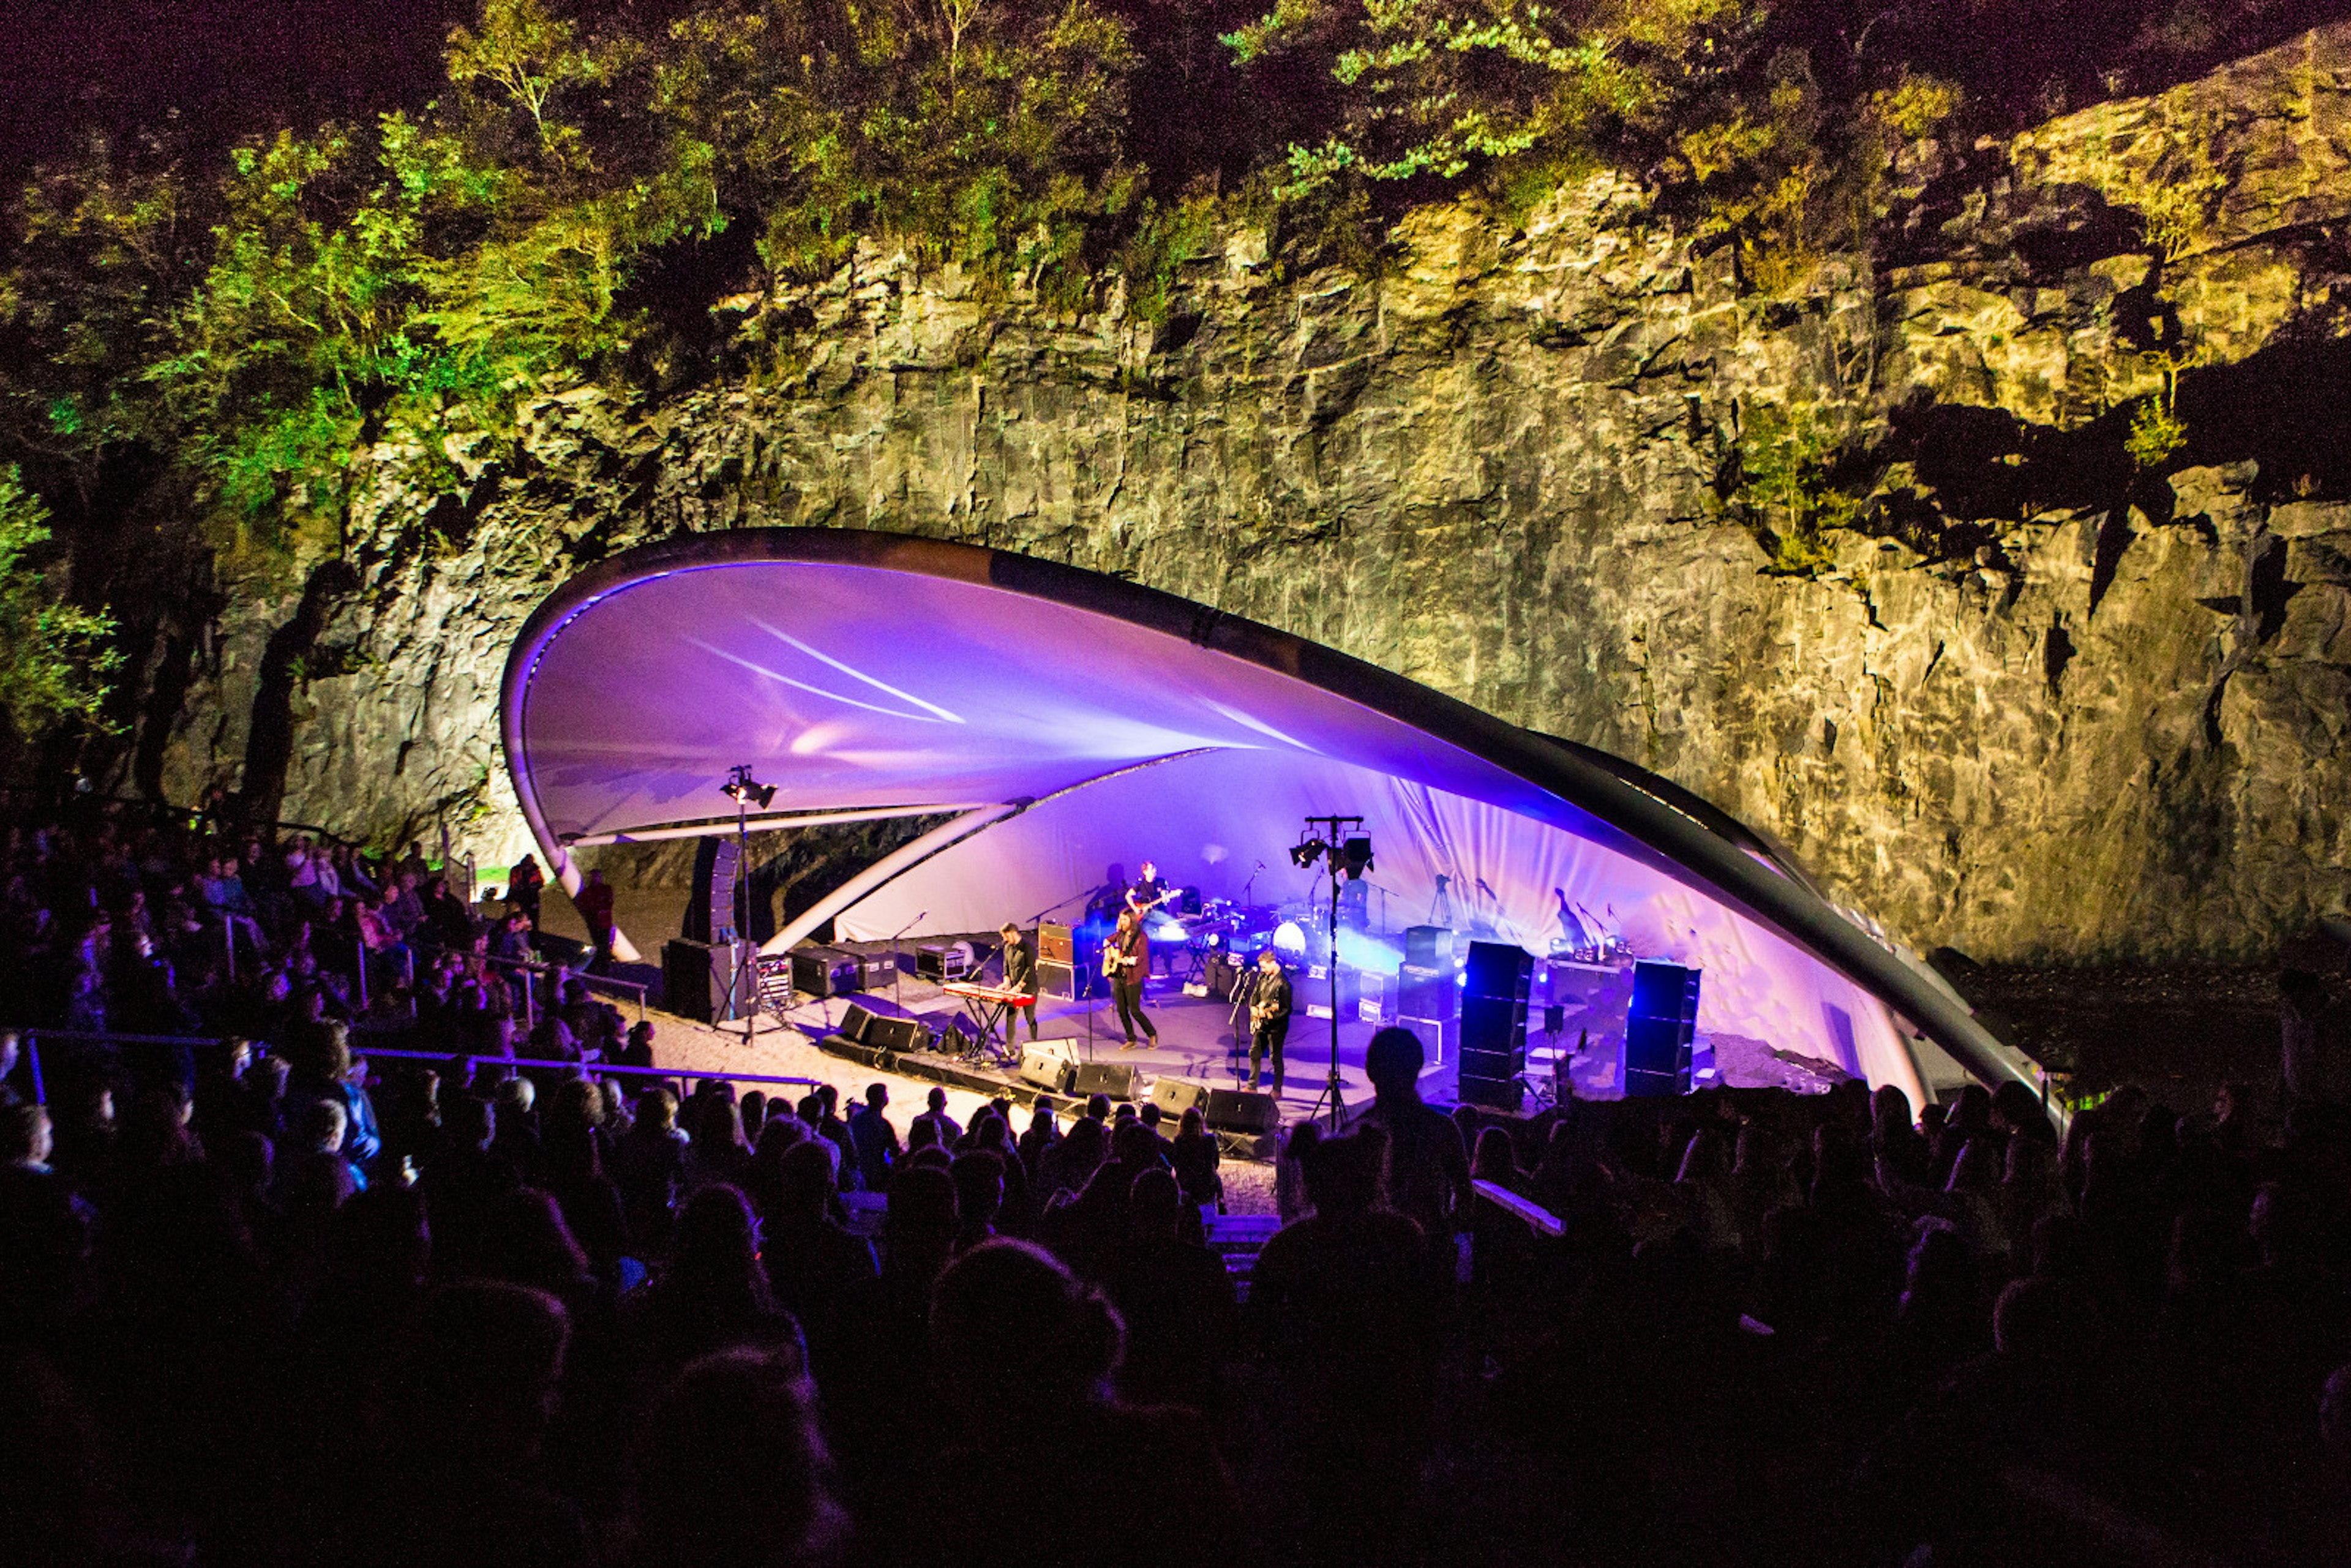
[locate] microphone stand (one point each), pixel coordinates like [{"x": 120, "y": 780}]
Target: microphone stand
[{"x": 896, "y": 974}]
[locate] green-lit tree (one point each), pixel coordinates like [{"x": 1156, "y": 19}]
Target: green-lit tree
[{"x": 56, "y": 661}]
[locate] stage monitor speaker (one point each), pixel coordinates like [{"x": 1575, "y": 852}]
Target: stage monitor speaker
[
  {"x": 696, "y": 977},
  {"x": 1176, "y": 1095},
  {"x": 898, "y": 1034},
  {"x": 1427, "y": 992},
  {"x": 1243, "y": 1110},
  {"x": 840, "y": 1045},
  {"x": 1115, "y": 1079},
  {"x": 1499, "y": 969},
  {"x": 1428, "y": 946},
  {"x": 1054, "y": 944},
  {"x": 1047, "y": 1065},
  {"x": 1492, "y": 1093},
  {"x": 855, "y": 1022}
]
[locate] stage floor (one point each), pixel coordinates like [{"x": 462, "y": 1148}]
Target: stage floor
[{"x": 1195, "y": 1038}]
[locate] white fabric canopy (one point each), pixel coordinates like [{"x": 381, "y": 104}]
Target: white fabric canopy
[{"x": 1091, "y": 721}]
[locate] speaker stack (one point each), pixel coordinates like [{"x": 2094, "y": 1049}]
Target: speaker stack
[
  {"x": 1428, "y": 991},
  {"x": 1659, "y": 1026},
  {"x": 1494, "y": 1025}
]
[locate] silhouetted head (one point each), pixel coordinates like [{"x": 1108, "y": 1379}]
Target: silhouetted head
[
  {"x": 1070, "y": 1340},
  {"x": 1342, "y": 1175},
  {"x": 734, "y": 1426},
  {"x": 1392, "y": 1062}
]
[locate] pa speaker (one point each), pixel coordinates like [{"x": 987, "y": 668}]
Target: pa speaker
[
  {"x": 1046, "y": 1066},
  {"x": 855, "y": 1050},
  {"x": 697, "y": 978},
  {"x": 1115, "y": 1079},
  {"x": 1243, "y": 1110},
  {"x": 1664, "y": 991},
  {"x": 1493, "y": 1023},
  {"x": 1177, "y": 1095},
  {"x": 854, "y": 1022},
  {"x": 898, "y": 1034},
  {"x": 1492, "y": 1093},
  {"x": 1499, "y": 969}
]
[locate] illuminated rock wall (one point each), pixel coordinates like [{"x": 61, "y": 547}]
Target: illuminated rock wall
[{"x": 2050, "y": 706}]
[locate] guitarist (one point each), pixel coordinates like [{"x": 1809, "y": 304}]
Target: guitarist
[
  {"x": 1126, "y": 959},
  {"x": 1144, "y": 895},
  {"x": 1268, "y": 1017}
]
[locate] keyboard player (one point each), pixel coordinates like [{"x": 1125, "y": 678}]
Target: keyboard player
[{"x": 1020, "y": 976}]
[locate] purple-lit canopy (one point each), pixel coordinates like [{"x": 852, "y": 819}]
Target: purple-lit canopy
[{"x": 1079, "y": 720}]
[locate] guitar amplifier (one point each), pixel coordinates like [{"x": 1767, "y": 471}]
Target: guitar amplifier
[
  {"x": 1115, "y": 1079},
  {"x": 1428, "y": 993},
  {"x": 1054, "y": 944},
  {"x": 1056, "y": 979},
  {"x": 1313, "y": 990},
  {"x": 824, "y": 971},
  {"x": 1176, "y": 1095}
]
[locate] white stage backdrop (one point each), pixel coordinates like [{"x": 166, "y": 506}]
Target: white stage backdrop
[{"x": 1216, "y": 818}]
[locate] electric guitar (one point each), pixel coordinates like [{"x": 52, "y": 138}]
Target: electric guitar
[{"x": 1145, "y": 907}]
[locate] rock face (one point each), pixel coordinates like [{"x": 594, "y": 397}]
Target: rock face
[{"x": 2049, "y": 704}]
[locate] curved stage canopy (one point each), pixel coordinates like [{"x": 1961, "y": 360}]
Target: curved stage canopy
[{"x": 1065, "y": 721}]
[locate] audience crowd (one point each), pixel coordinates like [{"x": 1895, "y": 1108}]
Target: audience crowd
[{"x": 266, "y": 1301}]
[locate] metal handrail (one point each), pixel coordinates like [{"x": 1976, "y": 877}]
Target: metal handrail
[
  {"x": 590, "y": 1068},
  {"x": 31, "y": 1038},
  {"x": 640, "y": 987}
]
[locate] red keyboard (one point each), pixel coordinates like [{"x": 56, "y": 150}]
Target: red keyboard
[{"x": 988, "y": 994}]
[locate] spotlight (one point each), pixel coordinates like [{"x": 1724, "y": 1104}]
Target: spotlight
[
  {"x": 1358, "y": 855},
  {"x": 746, "y": 791},
  {"x": 1306, "y": 852}
]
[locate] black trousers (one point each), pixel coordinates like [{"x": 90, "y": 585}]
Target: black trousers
[
  {"x": 1266, "y": 1040},
  {"x": 1128, "y": 993}
]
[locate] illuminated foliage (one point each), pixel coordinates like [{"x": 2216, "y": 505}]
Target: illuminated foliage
[{"x": 56, "y": 662}]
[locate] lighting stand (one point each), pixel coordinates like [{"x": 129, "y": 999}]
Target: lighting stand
[
  {"x": 1333, "y": 1085},
  {"x": 744, "y": 954}
]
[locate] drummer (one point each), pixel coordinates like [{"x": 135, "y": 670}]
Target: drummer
[{"x": 1020, "y": 977}]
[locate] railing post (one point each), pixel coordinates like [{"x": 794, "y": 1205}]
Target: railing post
[
  {"x": 359, "y": 943},
  {"x": 228, "y": 936},
  {"x": 33, "y": 1060}
]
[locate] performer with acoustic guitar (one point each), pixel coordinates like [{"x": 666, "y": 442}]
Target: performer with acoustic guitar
[
  {"x": 1268, "y": 1017},
  {"x": 1126, "y": 959}
]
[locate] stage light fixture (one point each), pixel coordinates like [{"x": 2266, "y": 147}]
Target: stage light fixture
[
  {"x": 1358, "y": 855},
  {"x": 746, "y": 791},
  {"x": 1306, "y": 852}
]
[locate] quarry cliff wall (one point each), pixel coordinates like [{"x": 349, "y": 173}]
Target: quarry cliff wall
[{"x": 2044, "y": 700}]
